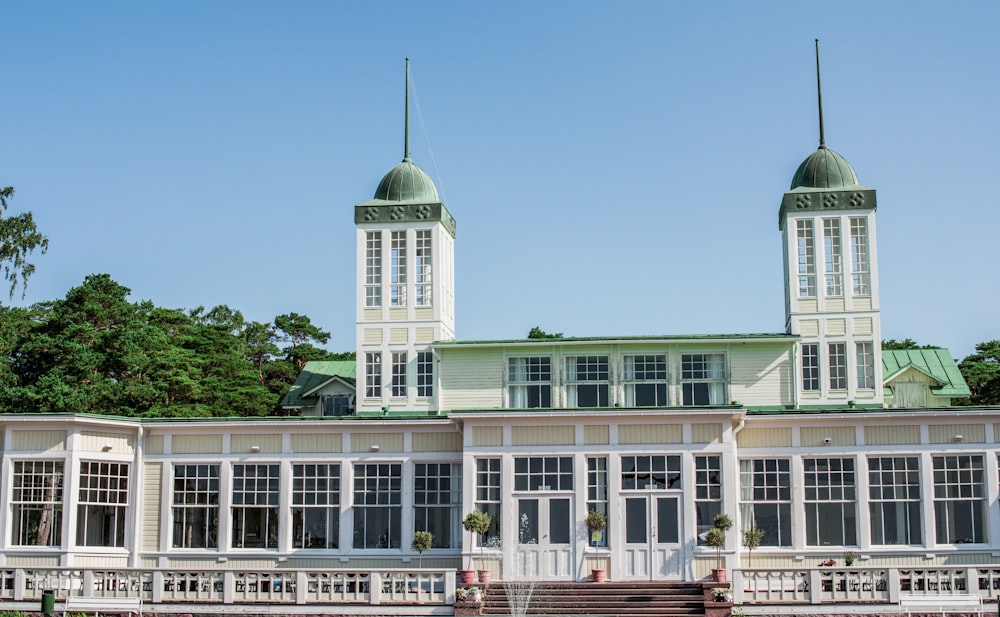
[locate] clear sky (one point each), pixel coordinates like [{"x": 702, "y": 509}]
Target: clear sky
[{"x": 615, "y": 168}]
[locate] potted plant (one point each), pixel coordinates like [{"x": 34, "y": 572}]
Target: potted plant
[
  {"x": 722, "y": 594},
  {"x": 597, "y": 522},
  {"x": 422, "y": 542},
  {"x": 849, "y": 558},
  {"x": 751, "y": 540},
  {"x": 479, "y": 523},
  {"x": 469, "y": 594},
  {"x": 716, "y": 537}
]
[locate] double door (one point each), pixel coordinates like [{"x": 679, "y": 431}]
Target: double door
[
  {"x": 545, "y": 538},
  {"x": 652, "y": 536}
]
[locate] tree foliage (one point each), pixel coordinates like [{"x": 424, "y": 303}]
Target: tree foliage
[
  {"x": 981, "y": 371},
  {"x": 907, "y": 343},
  {"x": 95, "y": 351},
  {"x": 537, "y": 332},
  {"x": 19, "y": 238}
]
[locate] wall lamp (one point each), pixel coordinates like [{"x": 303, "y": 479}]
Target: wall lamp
[
  {"x": 255, "y": 449},
  {"x": 959, "y": 438},
  {"x": 376, "y": 447},
  {"x": 107, "y": 448}
]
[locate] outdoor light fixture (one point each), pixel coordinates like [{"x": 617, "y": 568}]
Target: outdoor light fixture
[
  {"x": 376, "y": 447},
  {"x": 828, "y": 440},
  {"x": 255, "y": 449},
  {"x": 959, "y": 438},
  {"x": 107, "y": 448}
]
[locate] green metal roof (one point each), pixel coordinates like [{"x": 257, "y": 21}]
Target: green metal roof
[
  {"x": 673, "y": 338},
  {"x": 406, "y": 182},
  {"x": 315, "y": 374},
  {"x": 824, "y": 169},
  {"x": 936, "y": 363}
]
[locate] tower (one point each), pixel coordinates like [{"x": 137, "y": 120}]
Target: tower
[
  {"x": 405, "y": 286},
  {"x": 827, "y": 221}
]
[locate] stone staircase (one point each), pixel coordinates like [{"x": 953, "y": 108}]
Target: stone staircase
[{"x": 626, "y": 599}]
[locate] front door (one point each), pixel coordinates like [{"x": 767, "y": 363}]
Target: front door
[
  {"x": 652, "y": 537},
  {"x": 544, "y": 538}
]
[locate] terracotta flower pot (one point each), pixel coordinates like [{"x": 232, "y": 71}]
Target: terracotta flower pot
[
  {"x": 598, "y": 575},
  {"x": 719, "y": 575},
  {"x": 484, "y": 576},
  {"x": 468, "y": 576}
]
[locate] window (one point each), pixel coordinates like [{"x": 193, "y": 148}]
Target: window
[
  {"x": 337, "y": 405},
  {"x": 703, "y": 379},
  {"x": 196, "y": 506},
  {"x": 646, "y": 381},
  {"x": 437, "y": 503},
  {"x": 316, "y": 505},
  {"x": 707, "y": 492},
  {"x": 866, "y": 365},
  {"x": 37, "y": 503},
  {"x": 423, "y": 269},
  {"x": 807, "y": 259},
  {"x": 810, "y": 366},
  {"x": 587, "y": 381},
  {"x": 838, "y": 366},
  {"x": 597, "y": 496},
  {"x": 959, "y": 499},
  {"x": 377, "y": 510},
  {"x": 399, "y": 374},
  {"x": 543, "y": 473},
  {"x": 830, "y": 496},
  {"x": 529, "y": 382},
  {"x": 831, "y": 257},
  {"x": 255, "y": 506},
  {"x": 651, "y": 472},
  {"x": 397, "y": 274},
  {"x": 859, "y": 257},
  {"x": 425, "y": 374},
  {"x": 373, "y": 375},
  {"x": 894, "y": 499},
  {"x": 488, "y": 498},
  {"x": 373, "y": 269},
  {"x": 103, "y": 504},
  {"x": 766, "y": 499}
]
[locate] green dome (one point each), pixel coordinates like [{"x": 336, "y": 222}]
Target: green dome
[
  {"x": 824, "y": 169},
  {"x": 407, "y": 182}
]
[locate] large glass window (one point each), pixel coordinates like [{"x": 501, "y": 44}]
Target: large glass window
[
  {"x": 650, "y": 472},
  {"x": 707, "y": 492},
  {"x": 830, "y": 498},
  {"x": 810, "y": 366},
  {"x": 646, "y": 381},
  {"x": 488, "y": 498},
  {"x": 196, "y": 506},
  {"x": 766, "y": 499},
  {"x": 397, "y": 275},
  {"x": 316, "y": 505},
  {"x": 373, "y": 269},
  {"x": 894, "y": 499},
  {"x": 543, "y": 473},
  {"x": 399, "y": 374},
  {"x": 103, "y": 504},
  {"x": 703, "y": 380},
  {"x": 377, "y": 505},
  {"x": 806, "y": 258},
  {"x": 837, "y": 355},
  {"x": 859, "y": 257},
  {"x": 831, "y": 257},
  {"x": 373, "y": 375},
  {"x": 37, "y": 503},
  {"x": 437, "y": 504},
  {"x": 256, "y": 494},
  {"x": 587, "y": 381},
  {"x": 959, "y": 499},
  {"x": 866, "y": 365},
  {"x": 423, "y": 267},
  {"x": 597, "y": 496},
  {"x": 529, "y": 382},
  {"x": 425, "y": 374}
]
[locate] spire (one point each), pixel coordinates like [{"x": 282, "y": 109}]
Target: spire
[
  {"x": 819, "y": 96},
  {"x": 406, "y": 138}
]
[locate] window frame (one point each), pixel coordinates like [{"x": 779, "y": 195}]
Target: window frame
[
  {"x": 30, "y": 502},
  {"x": 377, "y": 503},
  {"x": 951, "y": 479},
  {"x": 805, "y": 245},
  {"x": 255, "y": 506},
  {"x": 649, "y": 373},
  {"x": 323, "y": 489},
  {"x": 766, "y": 485},
  {"x": 832, "y": 259},
  {"x": 373, "y": 269},
  {"x": 424, "y": 267},
  {"x": 195, "y": 500},
  {"x": 437, "y": 502},
  {"x": 894, "y": 493},
  {"x": 830, "y": 502},
  {"x": 586, "y": 373},
  {"x": 698, "y": 369},
  {"x": 397, "y": 269},
  {"x": 529, "y": 380}
]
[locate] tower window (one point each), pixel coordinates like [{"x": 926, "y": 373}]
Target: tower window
[
  {"x": 810, "y": 367},
  {"x": 838, "y": 366},
  {"x": 423, "y": 267},
  {"x": 397, "y": 289},
  {"x": 425, "y": 374},
  {"x": 831, "y": 256},
  {"x": 373, "y": 269},
  {"x": 399, "y": 374},
  {"x": 807, "y": 259},
  {"x": 866, "y": 365},
  {"x": 373, "y": 375},
  {"x": 859, "y": 257}
]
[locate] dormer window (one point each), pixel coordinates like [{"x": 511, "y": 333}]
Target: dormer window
[
  {"x": 703, "y": 379},
  {"x": 587, "y": 381},
  {"x": 646, "y": 381},
  {"x": 529, "y": 382},
  {"x": 337, "y": 405}
]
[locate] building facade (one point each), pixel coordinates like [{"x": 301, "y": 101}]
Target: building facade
[{"x": 814, "y": 435}]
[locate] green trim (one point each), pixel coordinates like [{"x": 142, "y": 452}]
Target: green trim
[
  {"x": 804, "y": 199},
  {"x": 679, "y": 338},
  {"x": 380, "y": 212}
]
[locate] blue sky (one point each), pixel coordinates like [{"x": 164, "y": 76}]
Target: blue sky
[{"x": 615, "y": 168}]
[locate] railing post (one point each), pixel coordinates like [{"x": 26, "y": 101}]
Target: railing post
[
  {"x": 815, "y": 582},
  {"x": 449, "y": 587},
  {"x": 737, "y": 587},
  {"x": 88, "y": 582},
  {"x": 892, "y": 574},
  {"x": 157, "y": 586},
  {"x": 228, "y": 587},
  {"x": 301, "y": 586},
  {"x": 375, "y": 588},
  {"x": 19, "y": 580},
  {"x": 972, "y": 581}
]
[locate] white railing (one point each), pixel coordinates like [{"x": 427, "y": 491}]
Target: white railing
[
  {"x": 860, "y": 584},
  {"x": 342, "y": 586}
]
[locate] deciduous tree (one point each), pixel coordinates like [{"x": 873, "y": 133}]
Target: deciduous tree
[{"x": 18, "y": 239}]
